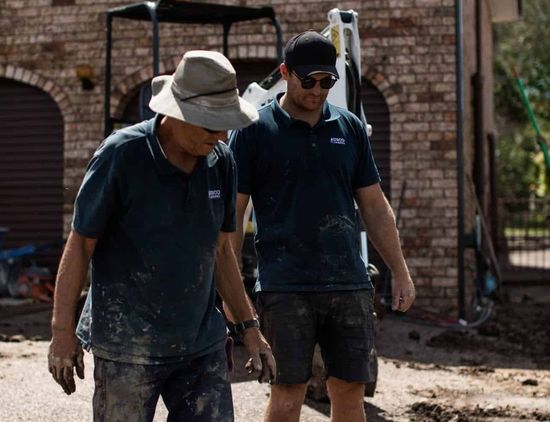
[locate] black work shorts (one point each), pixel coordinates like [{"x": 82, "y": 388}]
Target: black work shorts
[{"x": 341, "y": 322}]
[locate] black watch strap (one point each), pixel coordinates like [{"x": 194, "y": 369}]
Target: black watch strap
[{"x": 249, "y": 323}]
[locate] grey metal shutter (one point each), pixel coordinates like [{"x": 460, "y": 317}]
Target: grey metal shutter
[{"x": 31, "y": 168}]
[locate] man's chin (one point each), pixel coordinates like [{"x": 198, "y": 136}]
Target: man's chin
[{"x": 313, "y": 104}]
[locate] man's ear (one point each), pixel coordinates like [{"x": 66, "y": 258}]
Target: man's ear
[{"x": 285, "y": 73}]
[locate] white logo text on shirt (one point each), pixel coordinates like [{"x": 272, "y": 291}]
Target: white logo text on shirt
[{"x": 214, "y": 194}]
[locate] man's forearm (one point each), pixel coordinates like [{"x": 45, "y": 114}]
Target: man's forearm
[
  {"x": 243, "y": 211},
  {"x": 237, "y": 241},
  {"x": 383, "y": 234},
  {"x": 230, "y": 285},
  {"x": 71, "y": 277}
]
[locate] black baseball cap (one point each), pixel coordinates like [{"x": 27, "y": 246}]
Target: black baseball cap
[{"x": 310, "y": 52}]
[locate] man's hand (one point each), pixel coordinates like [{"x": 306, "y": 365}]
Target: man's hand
[
  {"x": 65, "y": 353},
  {"x": 261, "y": 358},
  {"x": 403, "y": 292}
]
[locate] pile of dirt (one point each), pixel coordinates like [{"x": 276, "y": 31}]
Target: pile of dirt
[
  {"x": 434, "y": 412},
  {"x": 515, "y": 328}
]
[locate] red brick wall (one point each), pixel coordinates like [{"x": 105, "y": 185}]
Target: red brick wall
[{"x": 410, "y": 55}]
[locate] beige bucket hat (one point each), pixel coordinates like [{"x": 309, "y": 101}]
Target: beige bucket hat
[{"x": 202, "y": 91}]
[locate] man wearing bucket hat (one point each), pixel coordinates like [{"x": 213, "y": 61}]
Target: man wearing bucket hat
[
  {"x": 304, "y": 163},
  {"x": 154, "y": 214}
]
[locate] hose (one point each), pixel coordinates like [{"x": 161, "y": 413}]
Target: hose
[{"x": 484, "y": 315}]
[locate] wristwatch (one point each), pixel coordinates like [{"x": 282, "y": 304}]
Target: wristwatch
[{"x": 249, "y": 323}]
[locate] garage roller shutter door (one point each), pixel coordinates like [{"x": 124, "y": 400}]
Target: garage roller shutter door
[{"x": 31, "y": 168}]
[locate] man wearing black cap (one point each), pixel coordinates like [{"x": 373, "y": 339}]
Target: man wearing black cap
[{"x": 304, "y": 163}]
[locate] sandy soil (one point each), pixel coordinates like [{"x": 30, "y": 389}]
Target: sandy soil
[{"x": 499, "y": 372}]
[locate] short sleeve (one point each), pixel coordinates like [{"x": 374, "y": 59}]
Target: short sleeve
[
  {"x": 96, "y": 200},
  {"x": 366, "y": 172},
  {"x": 241, "y": 146},
  {"x": 230, "y": 219}
]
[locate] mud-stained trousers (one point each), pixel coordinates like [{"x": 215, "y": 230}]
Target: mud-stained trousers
[{"x": 195, "y": 390}]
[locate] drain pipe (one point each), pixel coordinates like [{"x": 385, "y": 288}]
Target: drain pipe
[
  {"x": 459, "y": 61},
  {"x": 479, "y": 126}
]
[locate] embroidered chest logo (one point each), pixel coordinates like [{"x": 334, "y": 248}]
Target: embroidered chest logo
[
  {"x": 214, "y": 194},
  {"x": 338, "y": 141}
]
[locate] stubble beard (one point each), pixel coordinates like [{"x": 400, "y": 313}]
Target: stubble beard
[{"x": 300, "y": 103}]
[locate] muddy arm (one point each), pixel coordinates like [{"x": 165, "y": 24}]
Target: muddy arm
[
  {"x": 237, "y": 239},
  {"x": 229, "y": 281},
  {"x": 231, "y": 288},
  {"x": 65, "y": 352},
  {"x": 71, "y": 277}
]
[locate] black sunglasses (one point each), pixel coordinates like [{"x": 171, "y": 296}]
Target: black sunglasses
[{"x": 308, "y": 82}]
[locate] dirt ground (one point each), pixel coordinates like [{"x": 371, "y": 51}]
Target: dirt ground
[{"x": 498, "y": 372}]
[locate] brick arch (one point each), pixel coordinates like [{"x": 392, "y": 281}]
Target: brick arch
[
  {"x": 379, "y": 80},
  {"x": 61, "y": 98},
  {"x": 68, "y": 113},
  {"x": 126, "y": 86}
]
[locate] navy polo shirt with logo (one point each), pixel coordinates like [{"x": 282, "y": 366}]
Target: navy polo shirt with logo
[
  {"x": 302, "y": 181},
  {"x": 153, "y": 291}
]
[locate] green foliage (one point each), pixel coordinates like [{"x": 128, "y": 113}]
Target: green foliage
[
  {"x": 524, "y": 45},
  {"x": 517, "y": 173},
  {"x": 507, "y": 100}
]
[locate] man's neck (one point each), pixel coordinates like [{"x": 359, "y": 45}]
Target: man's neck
[
  {"x": 175, "y": 153},
  {"x": 299, "y": 113}
]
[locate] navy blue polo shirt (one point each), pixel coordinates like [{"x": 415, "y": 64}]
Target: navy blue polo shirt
[
  {"x": 302, "y": 181},
  {"x": 153, "y": 290}
]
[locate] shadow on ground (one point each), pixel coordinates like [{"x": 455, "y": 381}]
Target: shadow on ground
[{"x": 515, "y": 337}]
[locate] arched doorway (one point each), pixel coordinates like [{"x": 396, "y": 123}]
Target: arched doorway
[
  {"x": 378, "y": 115},
  {"x": 31, "y": 169}
]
